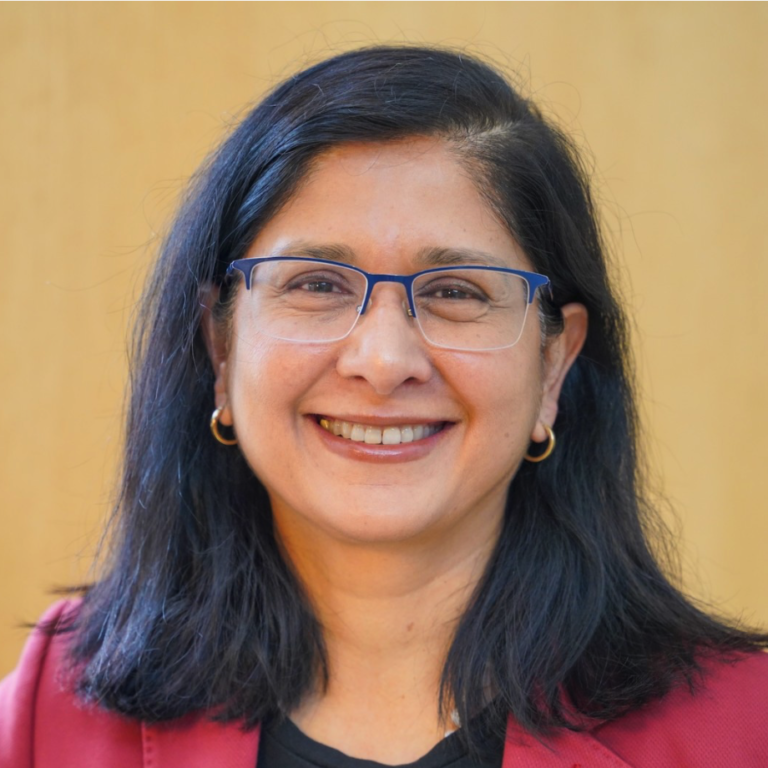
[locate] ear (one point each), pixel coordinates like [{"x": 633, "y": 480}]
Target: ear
[
  {"x": 559, "y": 355},
  {"x": 217, "y": 346}
]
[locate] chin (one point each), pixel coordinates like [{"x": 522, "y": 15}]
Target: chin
[
  {"x": 379, "y": 527},
  {"x": 387, "y": 522}
]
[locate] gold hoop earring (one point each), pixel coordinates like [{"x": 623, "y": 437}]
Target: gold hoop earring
[
  {"x": 215, "y": 428},
  {"x": 548, "y": 451}
]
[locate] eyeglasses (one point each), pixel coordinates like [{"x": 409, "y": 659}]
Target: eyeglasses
[{"x": 461, "y": 308}]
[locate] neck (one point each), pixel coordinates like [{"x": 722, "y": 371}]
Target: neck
[{"x": 389, "y": 613}]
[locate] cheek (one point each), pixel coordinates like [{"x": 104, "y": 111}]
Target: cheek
[
  {"x": 258, "y": 366},
  {"x": 248, "y": 367},
  {"x": 266, "y": 379},
  {"x": 506, "y": 397},
  {"x": 261, "y": 392}
]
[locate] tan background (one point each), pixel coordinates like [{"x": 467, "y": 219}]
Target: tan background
[{"x": 106, "y": 109}]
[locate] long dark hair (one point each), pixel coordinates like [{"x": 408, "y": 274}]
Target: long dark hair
[{"x": 197, "y": 611}]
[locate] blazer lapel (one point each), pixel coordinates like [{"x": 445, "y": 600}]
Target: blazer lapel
[
  {"x": 199, "y": 743},
  {"x": 566, "y": 749}
]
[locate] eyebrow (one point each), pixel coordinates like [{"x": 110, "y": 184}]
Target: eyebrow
[
  {"x": 449, "y": 257},
  {"x": 327, "y": 251},
  {"x": 434, "y": 256}
]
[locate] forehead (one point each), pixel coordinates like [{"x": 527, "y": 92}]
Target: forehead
[{"x": 386, "y": 203}]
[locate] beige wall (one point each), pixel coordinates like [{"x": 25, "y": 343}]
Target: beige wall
[{"x": 106, "y": 109}]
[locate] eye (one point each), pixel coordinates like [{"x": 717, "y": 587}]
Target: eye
[
  {"x": 454, "y": 292},
  {"x": 451, "y": 289},
  {"x": 319, "y": 286},
  {"x": 325, "y": 283}
]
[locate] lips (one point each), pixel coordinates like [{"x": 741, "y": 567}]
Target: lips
[{"x": 390, "y": 434}]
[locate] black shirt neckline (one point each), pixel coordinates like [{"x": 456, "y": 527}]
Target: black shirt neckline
[
  {"x": 291, "y": 738},
  {"x": 284, "y": 744}
]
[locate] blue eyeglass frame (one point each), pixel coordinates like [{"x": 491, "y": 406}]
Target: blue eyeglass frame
[{"x": 534, "y": 280}]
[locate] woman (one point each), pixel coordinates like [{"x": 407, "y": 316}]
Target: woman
[{"x": 388, "y": 288}]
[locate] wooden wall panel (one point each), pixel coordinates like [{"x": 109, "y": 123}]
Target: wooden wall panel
[{"x": 107, "y": 108}]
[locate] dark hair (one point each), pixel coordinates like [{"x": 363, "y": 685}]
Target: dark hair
[{"x": 197, "y": 610}]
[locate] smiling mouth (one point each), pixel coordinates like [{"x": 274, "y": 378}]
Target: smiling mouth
[{"x": 389, "y": 435}]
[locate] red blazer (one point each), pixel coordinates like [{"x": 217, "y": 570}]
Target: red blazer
[{"x": 42, "y": 725}]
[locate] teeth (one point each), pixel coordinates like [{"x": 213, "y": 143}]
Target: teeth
[
  {"x": 363, "y": 433},
  {"x": 392, "y": 436}
]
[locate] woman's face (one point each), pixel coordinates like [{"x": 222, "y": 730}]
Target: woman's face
[{"x": 384, "y": 204}]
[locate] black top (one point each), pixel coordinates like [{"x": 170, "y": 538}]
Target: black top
[{"x": 283, "y": 745}]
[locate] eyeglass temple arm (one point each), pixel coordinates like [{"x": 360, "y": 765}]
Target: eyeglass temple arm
[
  {"x": 243, "y": 266},
  {"x": 536, "y": 281}
]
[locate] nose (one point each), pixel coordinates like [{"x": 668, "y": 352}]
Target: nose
[{"x": 385, "y": 348}]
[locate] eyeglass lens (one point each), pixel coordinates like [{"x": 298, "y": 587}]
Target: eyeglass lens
[{"x": 470, "y": 309}]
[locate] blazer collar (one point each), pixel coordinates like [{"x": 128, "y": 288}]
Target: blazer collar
[
  {"x": 564, "y": 749},
  {"x": 199, "y": 743}
]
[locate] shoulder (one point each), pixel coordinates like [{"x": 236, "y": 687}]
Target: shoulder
[
  {"x": 45, "y": 725},
  {"x": 721, "y": 722},
  {"x": 41, "y": 720}
]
